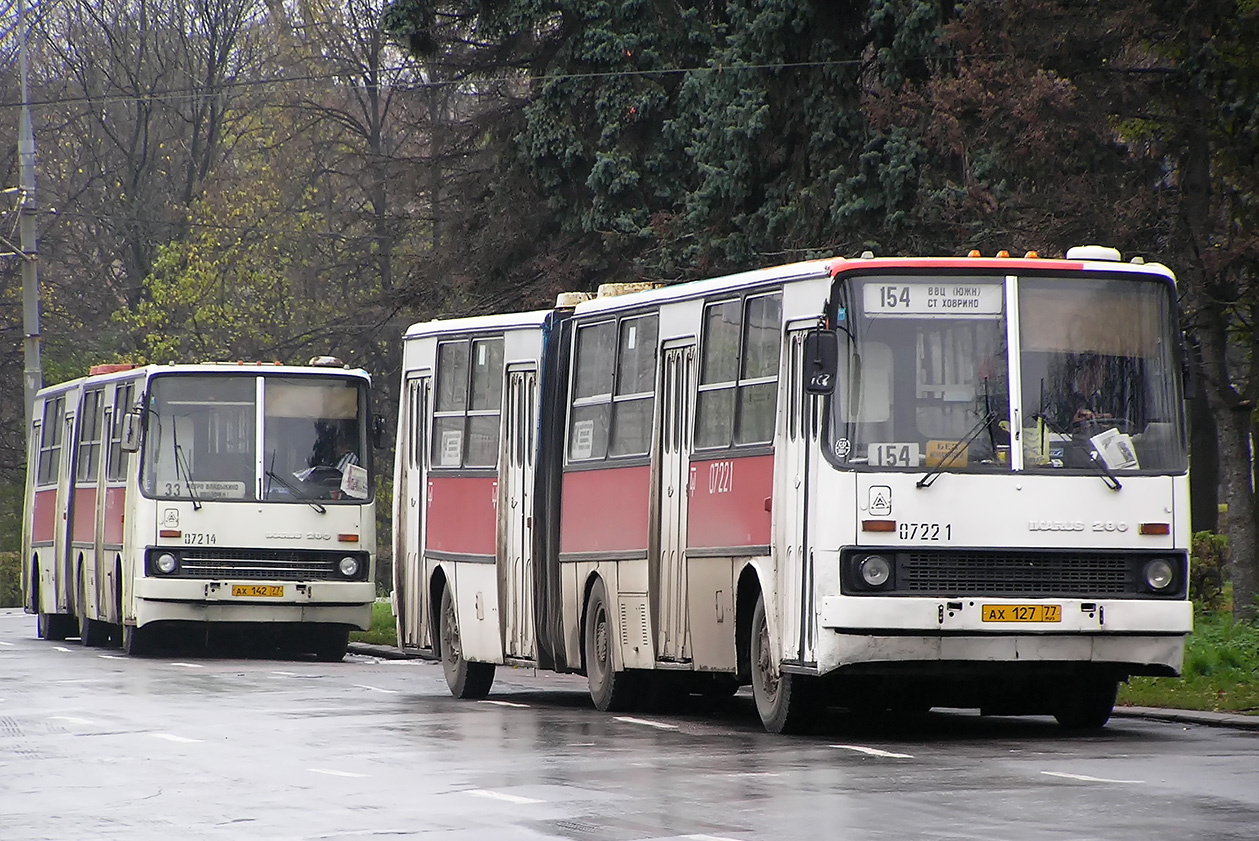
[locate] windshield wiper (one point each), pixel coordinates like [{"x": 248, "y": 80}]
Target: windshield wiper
[
  {"x": 958, "y": 446},
  {"x": 1094, "y": 455},
  {"x": 296, "y": 491},
  {"x": 181, "y": 464}
]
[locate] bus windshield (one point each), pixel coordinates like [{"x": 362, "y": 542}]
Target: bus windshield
[
  {"x": 245, "y": 437},
  {"x": 926, "y": 363}
]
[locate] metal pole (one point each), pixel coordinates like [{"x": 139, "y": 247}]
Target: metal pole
[{"x": 34, "y": 376}]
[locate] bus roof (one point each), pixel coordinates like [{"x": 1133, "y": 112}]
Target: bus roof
[
  {"x": 502, "y": 321},
  {"x": 145, "y": 371}
]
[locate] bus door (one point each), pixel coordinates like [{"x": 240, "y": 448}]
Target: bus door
[
  {"x": 515, "y": 513},
  {"x": 63, "y": 533},
  {"x": 790, "y": 506},
  {"x": 676, "y": 409},
  {"x": 409, "y": 554}
]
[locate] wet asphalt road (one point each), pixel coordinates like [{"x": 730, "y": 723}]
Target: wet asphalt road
[{"x": 188, "y": 745}]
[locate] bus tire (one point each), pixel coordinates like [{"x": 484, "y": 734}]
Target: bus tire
[
  {"x": 92, "y": 632},
  {"x": 1087, "y": 705},
  {"x": 611, "y": 691},
  {"x": 135, "y": 641},
  {"x": 54, "y": 626},
  {"x": 330, "y": 643},
  {"x": 465, "y": 679},
  {"x": 784, "y": 701}
]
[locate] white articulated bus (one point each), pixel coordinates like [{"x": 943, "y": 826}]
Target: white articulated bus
[
  {"x": 237, "y": 495},
  {"x": 882, "y": 483}
]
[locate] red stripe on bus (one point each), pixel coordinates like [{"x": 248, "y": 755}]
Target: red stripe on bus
[
  {"x": 461, "y": 513},
  {"x": 84, "y": 515},
  {"x": 605, "y": 510},
  {"x": 727, "y": 504},
  {"x": 44, "y": 517}
]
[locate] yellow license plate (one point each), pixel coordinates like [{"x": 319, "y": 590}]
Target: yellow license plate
[
  {"x": 1021, "y": 612},
  {"x": 266, "y": 591}
]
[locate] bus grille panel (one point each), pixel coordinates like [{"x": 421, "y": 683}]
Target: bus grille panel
[
  {"x": 1020, "y": 573},
  {"x": 259, "y": 564}
]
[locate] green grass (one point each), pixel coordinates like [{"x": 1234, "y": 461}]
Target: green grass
[
  {"x": 1221, "y": 671},
  {"x": 383, "y": 631}
]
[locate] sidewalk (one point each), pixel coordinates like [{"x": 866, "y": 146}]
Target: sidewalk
[{"x": 1202, "y": 719}]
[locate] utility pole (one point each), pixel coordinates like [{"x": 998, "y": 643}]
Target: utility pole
[{"x": 34, "y": 375}]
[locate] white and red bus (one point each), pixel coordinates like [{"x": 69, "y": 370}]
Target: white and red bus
[
  {"x": 861, "y": 482},
  {"x": 167, "y": 495}
]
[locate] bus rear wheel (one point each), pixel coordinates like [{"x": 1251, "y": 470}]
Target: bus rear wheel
[
  {"x": 330, "y": 642},
  {"x": 611, "y": 691},
  {"x": 465, "y": 679},
  {"x": 92, "y": 632},
  {"x": 784, "y": 701},
  {"x": 1087, "y": 705}
]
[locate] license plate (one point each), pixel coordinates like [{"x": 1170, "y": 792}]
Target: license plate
[
  {"x": 266, "y": 591},
  {"x": 1021, "y": 612}
]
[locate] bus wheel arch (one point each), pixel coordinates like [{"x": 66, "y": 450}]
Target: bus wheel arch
[
  {"x": 610, "y": 690},
  {"x": 747, "y": 592},
  {"x": 466, "y": 679}
]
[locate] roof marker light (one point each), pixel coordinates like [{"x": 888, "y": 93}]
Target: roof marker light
[
  {"x": 1003, "y": 253},
  {"x": 974, "y": 252},
  {"x": 1031, "y": 255},
  {"x": 867, "y": 255}
]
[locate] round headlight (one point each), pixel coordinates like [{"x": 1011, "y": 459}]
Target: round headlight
[
  {"x": 1159, "y": 574},
  {"x": 348, "y": 566},
  {"x": 875, "y": 570},
  {"x": 166, "y": 563}
]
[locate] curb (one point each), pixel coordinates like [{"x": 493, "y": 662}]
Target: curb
[{"x": 1201, "y": 718}]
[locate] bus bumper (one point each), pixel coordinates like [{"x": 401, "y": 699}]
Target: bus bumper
[
  {"x": 191, "y": 600},
  {"x": 1132, "y": 636}
]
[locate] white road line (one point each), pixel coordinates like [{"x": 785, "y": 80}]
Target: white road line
[
  {"x": 708, "y": 838},
  {"x": 189, "y": 665},
  {"x": 874, "y": 751},
  {"x": 647, "y": 722},
  {"x": 110, "y": 657},
  {"x": 756, "y": 774},
  {"x": 498, "y": 795},
  {"x": 170, "y": 737},
  {"x": 285, "y": 674},
  {"x": 1088, "y": 779},
  {"x": 73, "y": 719},
  {"x": 506, "y": 704},
  {"x": 376, "y": 689},
  {"x": 60, "y": 648},
  {"x": 9, "y": 644},
  {"x": 333, "y": 773}
]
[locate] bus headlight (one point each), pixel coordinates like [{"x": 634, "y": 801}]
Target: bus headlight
[
  {"x": 1159, "y": 574},
  {"x": 875, "y": 571},
  {"x": 348, "y": 566},
  {"x": 166, "y": 563}
]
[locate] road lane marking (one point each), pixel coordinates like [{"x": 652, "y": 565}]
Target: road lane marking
[
  {"x": 874, "y": 751},
  {"x": 189, "y": 665},
  {"x": 285, "y": 674},
  {"x": 60, "y": 648},
  {"x": 111, "y": 657},
  {"x": 1088, "y": 779},
  {"x": 498, "y": 795},
  {"x": 708, "y": 838},
  {"x": 9, "y": 644},
  {"x": 73, "y": 719},
  {"x": 171, "y": 737},
  {"x": 755, "y": 774},
  {"x": 376, "y": 688},
  {"x": 330, "y": 772},
  {"x": 647, "y": 722},
  {"x": 506, "y": 704}
]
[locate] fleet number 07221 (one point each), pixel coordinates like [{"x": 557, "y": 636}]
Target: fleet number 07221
[{"x": 925, "y": 531}]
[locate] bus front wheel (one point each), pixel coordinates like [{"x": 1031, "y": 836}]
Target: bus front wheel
[
  {"x": 784, "y": 701},
  {"x": 92, "y": 632},
  {"x": 1087, "y": 705},
  {"x": 465, "y": 679}
]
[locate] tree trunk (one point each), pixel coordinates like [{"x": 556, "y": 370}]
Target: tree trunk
[
  {"x": 1204, "y": 457},
  {"x": 1240, "y": 524}
]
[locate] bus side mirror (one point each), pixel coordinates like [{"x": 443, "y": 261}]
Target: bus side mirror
[
  {"x": 130, "y": 432},
  {"x": 378, "y": 431},
  {"x": 821, "y": 358}
]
